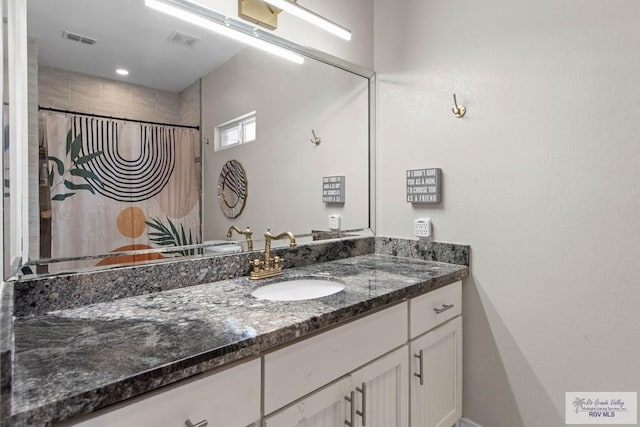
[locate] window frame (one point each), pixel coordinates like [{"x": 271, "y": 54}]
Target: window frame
[{"x": 239, "y": 123}]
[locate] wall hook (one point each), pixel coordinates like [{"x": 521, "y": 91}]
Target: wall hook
[
  {"x": 458, "y": 111},
  {"x": 316, "y": 139}
]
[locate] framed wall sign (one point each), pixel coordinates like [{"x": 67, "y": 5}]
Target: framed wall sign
[
  {"x": 333, "y": 189},
  {"x": 424, "y": 185}
]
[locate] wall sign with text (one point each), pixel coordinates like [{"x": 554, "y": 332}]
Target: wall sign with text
[
  {"x": 333, "y": 189},
  {"x": 424, "y": 185}
]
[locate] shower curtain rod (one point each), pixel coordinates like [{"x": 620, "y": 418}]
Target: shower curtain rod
[{"x": 100, "y": 116}]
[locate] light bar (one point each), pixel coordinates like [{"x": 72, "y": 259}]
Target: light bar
[
  {"x": 312, "y": 18},
  {"x": 221, "y": 29}
]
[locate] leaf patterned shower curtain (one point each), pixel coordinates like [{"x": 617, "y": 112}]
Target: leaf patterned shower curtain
[{"x": 118, "y": 186}]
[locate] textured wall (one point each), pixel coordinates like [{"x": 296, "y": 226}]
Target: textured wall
[
  {"x": 80, "y": 92},
  {"x": 540, "y": 178}
]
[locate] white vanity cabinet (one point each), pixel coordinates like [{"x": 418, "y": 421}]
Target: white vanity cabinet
[
  {"x": 421, "y": 364},
  {"x": 229, "y": 398},
  {"x": 324, "y": 408},
  {"x": 375, "y": 395},
  {"x": 436, "y": 365},
  {"x": 381, "y": 392},
  {"x": 367, "y": 387},
  {"x": 303, "y": 367}
]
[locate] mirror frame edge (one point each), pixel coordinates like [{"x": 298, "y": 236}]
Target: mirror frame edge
[{"x": 17, "y": 67}]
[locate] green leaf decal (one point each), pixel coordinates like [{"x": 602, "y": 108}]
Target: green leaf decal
[
  {"x": 184, "y": 237},
  {"x": 61, "y": 197},
  {"x": 174, "y": 231},
  {"x": 87, "y": 158},
  {"x": 71, "y": 186},
  {"x": 59, "y": 164},
  {"x": 68, "y": 142},
  {"x": 169, "y": 236},
  {"x": 73, "y": 150},
  {"x": 85, "y": 174},
  {"x": 76, "y": 145}
]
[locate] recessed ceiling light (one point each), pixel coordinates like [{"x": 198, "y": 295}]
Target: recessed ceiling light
[{"x": 122, "y": 72}]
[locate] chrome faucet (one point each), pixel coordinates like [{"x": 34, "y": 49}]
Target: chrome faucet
[
  {"x": 268, "y": 267},
  {"x": 247, "y": 234}
]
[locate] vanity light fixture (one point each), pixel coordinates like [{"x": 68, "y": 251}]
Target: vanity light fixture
[
  {"x": 222, "y": 29},
  {"x": 122, "y": 72},
  {"x": 311, "y": 17}
]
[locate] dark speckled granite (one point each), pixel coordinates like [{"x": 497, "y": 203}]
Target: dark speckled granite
[
  {"x": 38, "y": 296},
  {"x": 74, "y": 361},
  {"x": 427, "y": 250},
  {"x": 6, "y": 349}
]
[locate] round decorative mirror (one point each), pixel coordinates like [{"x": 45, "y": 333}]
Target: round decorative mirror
[{"x": 232, "y": 189}]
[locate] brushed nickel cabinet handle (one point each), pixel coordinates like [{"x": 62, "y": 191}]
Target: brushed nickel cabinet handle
[
  {"x": 202, "y": 423},
  {"x": 444, "y": 308},
  {"x": 420, "y": 357},
  {"x": 352, "y": 401},
  {"x": 363, "y": 413}
]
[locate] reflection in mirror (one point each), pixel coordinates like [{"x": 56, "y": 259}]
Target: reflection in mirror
[
  {"x": 4, "y": 123},
  {"x": 284, "y": 169},
  {"x": 129, "y": 163},
  {"x": 232, "y": 189}
]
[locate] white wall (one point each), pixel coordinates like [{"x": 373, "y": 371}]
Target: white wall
[
  {"x": 541, "y": 178},
  {"x": 284, "y": 169},
  {"x": 356, "y": 15}
]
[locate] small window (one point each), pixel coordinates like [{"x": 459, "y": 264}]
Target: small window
[{"x": 237, "y": 131}]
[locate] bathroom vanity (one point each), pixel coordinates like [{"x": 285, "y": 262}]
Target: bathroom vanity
[{"x": 213, "y": 352}]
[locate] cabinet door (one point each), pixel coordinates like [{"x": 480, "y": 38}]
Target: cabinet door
[
  {"x": 230, "y": 398},
  {"x": 297, "y": 370},
  {"x": 324, "y": 408},
  {"x": 436, "y": 376},
  {"x": 382, "y": 391}
]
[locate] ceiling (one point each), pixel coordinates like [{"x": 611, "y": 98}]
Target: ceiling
[{"x": 130, "y": 36}]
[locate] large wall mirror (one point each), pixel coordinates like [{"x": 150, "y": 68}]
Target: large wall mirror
[{"x": 133, "y": 115}]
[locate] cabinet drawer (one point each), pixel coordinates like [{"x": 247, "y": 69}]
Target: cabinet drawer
[
  {"x": 325, "y": 407},
  {"x": 434, "y": 308},
  {"x": 296, "y": 370},
  {"x": 230, "y": 398}
]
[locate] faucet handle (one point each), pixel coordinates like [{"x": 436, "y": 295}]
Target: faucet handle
[
  {"x": 256, "y": 263},
  {"x": 276, "y": 262}
]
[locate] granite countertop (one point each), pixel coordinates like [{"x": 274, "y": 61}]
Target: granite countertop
[{"x": 74, "y": 361}]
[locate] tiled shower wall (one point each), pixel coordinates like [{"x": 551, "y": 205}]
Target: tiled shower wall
[{"x": 68, "y": 90}]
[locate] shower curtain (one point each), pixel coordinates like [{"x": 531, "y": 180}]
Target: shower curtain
[{"x": 118, "y": 186}]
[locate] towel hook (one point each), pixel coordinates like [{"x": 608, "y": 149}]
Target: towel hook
[
  {"x": 316, "y": 139},
  {"x": 458, "y": 111}
]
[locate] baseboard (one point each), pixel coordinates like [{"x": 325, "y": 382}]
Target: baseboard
[{"x": 466, "y": 423}]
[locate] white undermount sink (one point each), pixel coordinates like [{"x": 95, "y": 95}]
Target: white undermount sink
[{"x": 298, "y": 290}]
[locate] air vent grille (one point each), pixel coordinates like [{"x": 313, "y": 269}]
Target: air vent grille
[
  {"x": 183, "y": 39},
  {"x": 79, "y": 38}
]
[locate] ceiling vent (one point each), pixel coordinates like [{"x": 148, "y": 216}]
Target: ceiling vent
[
  {"x": 183, "y": 39},
  {"x": 78, "y": 38}
]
